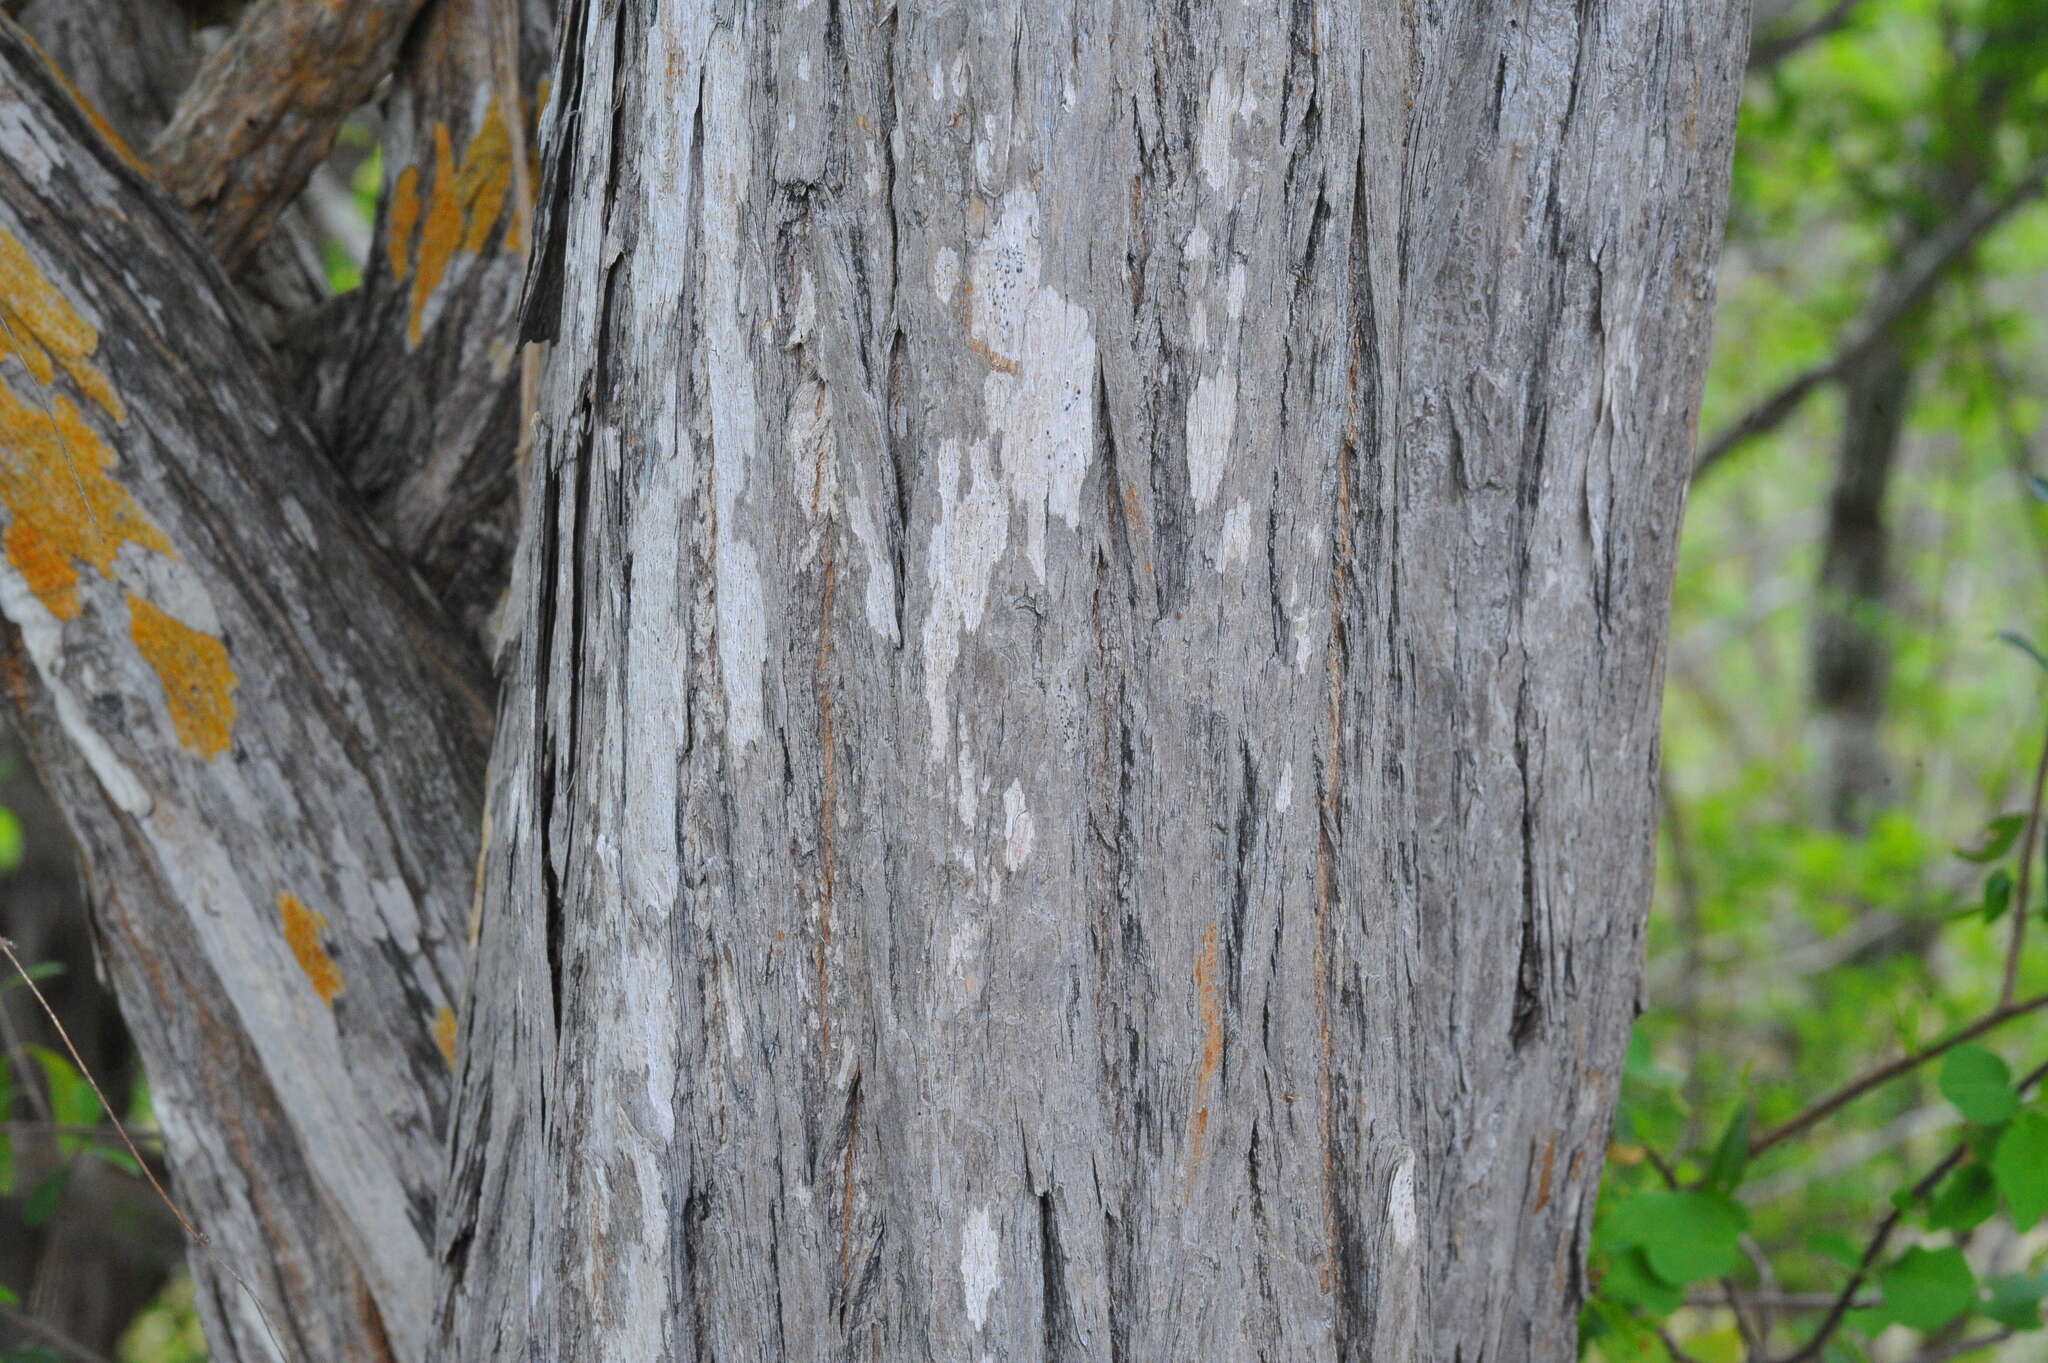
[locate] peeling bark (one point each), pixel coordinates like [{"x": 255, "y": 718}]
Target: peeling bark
[{"x": 1076, "y": 769}]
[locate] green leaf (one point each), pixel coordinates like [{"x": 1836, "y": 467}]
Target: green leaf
[
  {"x": 72, "y": 1102},
  {"x": 1630, "y": 1280},
  {"x": 7, "y": 1297},
  {"x": 1966, "y": 1198},
  {"x": 2020, "y": 642},
  {"x": 1928, "y": 1288},
  {"x": 1685, "y": 1236},
  {"x": 116, "y": 1156},
  {"x": 12, "y": 846},
  {"x": 2016, "y": 1300},
  {"x": 1731, "y": 1153},
  {"x": 1999, "y": 836},
  {"x": 1997, "y": 894},
  {"x": 1980, "y": 1085},
  {"x": 41, "y": 1203},
  {"x": 1836, "y": 1246},
  {"x": 2020, "y": 1165}
]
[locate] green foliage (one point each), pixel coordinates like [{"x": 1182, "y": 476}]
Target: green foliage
[
  {"x": 1927, "y": 1288},
  {"x": 1980, "y": 1085},
  {"x": 1791, "y": 952}
]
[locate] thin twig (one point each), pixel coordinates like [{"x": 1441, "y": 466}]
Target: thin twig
[
  {"x": 1898, "y": 293},
  {"x": 2021, "y": 907},
  {"x": 7, "y": 947},
  {"x": 1846, "y": 1299},
  {"x": 1769, "y": 51},
  {"x": 199, "y": 1240},
  {"x": 52, "y": 1336},
  {"x": 1942, "y": 1353},
  {"x": 1884, "y": 1074},
  {"x": 65, "y": 1129}
]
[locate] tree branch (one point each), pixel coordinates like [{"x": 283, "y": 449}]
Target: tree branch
[
  {"x": 1768, "y": 51},
  {"x": 1896, "y": 294},
  {"x": 263, "y": 111},
  {"x": 1884, "y": 1074},
  {"x": 419, "y": 400},
  {"x": 265, "y": 739}
]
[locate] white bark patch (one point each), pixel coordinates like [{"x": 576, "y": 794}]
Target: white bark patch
[
  {"x": 1212, "y": 418},
  {"x": 1041, "y": 356},
  {"x": 742, "y": 624},
  {"x": 1018, "y": 829},
  {"x": 1283, "y": 795},
  {"x": 880, "y": 599},
  {"x": 1233, "y": 551},
  {"x": 42, "y": 634},
  {"x": 945, "y": 273},
  {"x": 981, "y": 1270},
  {"x": 1401, "y": 1201},
  {"x": 1214, "y": 151},
  {"x": 967, "y": 539}
]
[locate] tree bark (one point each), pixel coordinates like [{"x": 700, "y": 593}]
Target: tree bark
[
  {"x": 1075, "y": 776},
  {"x": 261, "y": 735}
]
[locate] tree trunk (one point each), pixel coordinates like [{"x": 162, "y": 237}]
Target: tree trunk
[{"x": 1076, "y": 769}]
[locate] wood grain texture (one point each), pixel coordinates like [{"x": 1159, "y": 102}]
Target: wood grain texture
[
  {"x": 1075, "y": 772},
  {"x": 261, "y": 737}
]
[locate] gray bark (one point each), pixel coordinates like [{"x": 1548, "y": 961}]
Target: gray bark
[{"x": 1076, "y": 768}]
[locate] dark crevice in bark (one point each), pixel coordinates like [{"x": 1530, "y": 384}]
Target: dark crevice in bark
[
  {"x": 1244, "y": 849},
  {"x": 1527, "y": 1015},
  {"x": 903, "y": 462},
  {"x": 1062, "y": 1338}
]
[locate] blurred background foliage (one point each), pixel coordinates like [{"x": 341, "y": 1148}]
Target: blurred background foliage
[{"x": 1854, "y": 724}]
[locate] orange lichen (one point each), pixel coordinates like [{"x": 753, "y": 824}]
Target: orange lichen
[
  {"x": 405, "y": 220},
  {"x": 40, "y": 327},
  {"x": 1211, "y": 1005},
  {"x": 64, "y": 508},
  {"x": 302, "y": 934},
  {"x": 99, "y": 121},
  {"x": 444, "y": 1034},
  {"x": 466, "y": 202},
  {"x": 193, "y": 666}
]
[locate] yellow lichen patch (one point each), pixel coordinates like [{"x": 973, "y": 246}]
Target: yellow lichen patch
[
  {"x": 444, "y": 1034},
  {"x": 302, "y": 933},
  {"x": 193, "y": 666},
  {"x": 465, "y": 204},
  {"x": 39, "y": 327},
  {"x": 63, "y": 507},
  {"x": 405, "y": 220}
]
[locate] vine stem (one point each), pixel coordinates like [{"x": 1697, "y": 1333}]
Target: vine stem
[{"x": 2020, "y": 909}]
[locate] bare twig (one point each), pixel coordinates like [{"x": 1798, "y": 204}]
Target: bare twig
[
  {"x": 1772, "y": 49},
  {"x": 2021, "y": 882},
  {"x": 7, "y": 948},
  {"x": 65, "y": 1129},
  {"x": 1783, "y": 1301},
  {"x": 52, "y": 1336},
  {"x": 1884, "y": 1074},
  {"x": 1898, "y": 293},
  {"x": 1881, "y": 1237}
]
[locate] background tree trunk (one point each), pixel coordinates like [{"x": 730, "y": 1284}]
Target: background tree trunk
[{"x": 1076, "y": 772}]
